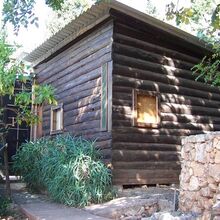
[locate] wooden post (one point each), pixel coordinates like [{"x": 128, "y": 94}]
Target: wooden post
[{"x": 7, "y": 179}]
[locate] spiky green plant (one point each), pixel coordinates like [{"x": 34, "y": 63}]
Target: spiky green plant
[{"x": 69, "y": 168}]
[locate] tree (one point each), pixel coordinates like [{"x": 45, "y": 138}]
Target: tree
[
  {"x": 151, "y": 9},
  {"x": 12, "y": 72},
  {"x": 20, "y": 13},
  {"x": 68, "y": 11},
  {"x": 203, "y": 16}
]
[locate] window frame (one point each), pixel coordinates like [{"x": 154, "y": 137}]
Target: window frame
[
  {"x": 55, "y": 108},
  {"x": 135, "y": 123}
]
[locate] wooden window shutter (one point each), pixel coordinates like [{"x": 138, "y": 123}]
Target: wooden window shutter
[{"x": 145, "y": 109}]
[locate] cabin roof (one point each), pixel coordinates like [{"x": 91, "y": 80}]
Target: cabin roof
[{"x": 92, "y": 17}]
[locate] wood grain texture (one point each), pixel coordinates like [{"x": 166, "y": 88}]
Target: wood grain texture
[
  {"x": 150, "y": 60},
  {"x": 76, "y": 75}
]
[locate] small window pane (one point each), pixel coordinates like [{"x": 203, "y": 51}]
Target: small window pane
[{"x": 56, "y": 119}]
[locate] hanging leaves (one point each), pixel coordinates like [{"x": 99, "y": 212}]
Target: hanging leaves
[{"x": 12, "y": 72}]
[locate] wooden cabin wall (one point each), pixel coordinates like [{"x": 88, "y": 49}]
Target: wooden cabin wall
[
  {"x": 149, "y": 59},
  {"x": 75, "y": 73}
]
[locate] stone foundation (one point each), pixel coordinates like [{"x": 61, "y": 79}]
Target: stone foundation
[{"x": 200, "y": 173}]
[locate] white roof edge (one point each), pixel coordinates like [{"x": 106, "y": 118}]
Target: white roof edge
[{"x": 39, "y": 54}]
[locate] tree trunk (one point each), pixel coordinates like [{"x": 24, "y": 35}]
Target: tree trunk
[{"x": 7, "y": 179}]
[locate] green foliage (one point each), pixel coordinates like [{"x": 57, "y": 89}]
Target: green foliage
[
  {"x": 9, "y": 68},
  {"x": 216, "y": 18},
  {"x": 67, "y": 12},
  {"x": 20, "y": 13},
  {"x": 209, "y": 68},
  {"x": 4, "y": 206},
  {"x": 12, "y": 72},
  {"x": 55, "y": 4},
  {"x": 202, "y": 15},
  {"x": 68, "y": 168}
]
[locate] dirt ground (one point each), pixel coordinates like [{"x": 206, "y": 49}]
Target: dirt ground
[{"x": 14, "y": 214}]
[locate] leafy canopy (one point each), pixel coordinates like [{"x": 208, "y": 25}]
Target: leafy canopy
[
  {"x": 68, "y": 11},
  {"x": 20, "y": 13},
  {"x": 13, "y": 72},
  {"x": 202, "y": 15}
]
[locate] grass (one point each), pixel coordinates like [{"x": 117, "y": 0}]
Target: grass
[{"x": 68, "y": 168}]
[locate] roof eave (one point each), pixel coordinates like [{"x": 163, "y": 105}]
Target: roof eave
[{"x": 82, "y": 24}]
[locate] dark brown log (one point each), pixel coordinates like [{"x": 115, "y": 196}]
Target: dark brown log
[
  {"x": 174, "y": 108},
  {"x": 118, "y": 180},
  {"x": 143, "y": 44},
  {"x": 166, "y": 128},
  {"x": 60, "y": 59},
  {"x": 161, "y": 87},
  {"x": 167, "y": 78},
  {"x": 144, "y": 155},
  {"x": 141, "y": 54},
  {"x": 145, "y": 146},
  {"x": 145, "y": 138},
  {"x": 126, "y": 99},
  {"x": 181, "y": 118},
  {"x": 161, "y": 165},
  {"x": 122, "y": 60},
  {"x": 142, "y": 31},
  {"x": 91, "y": 84},
  {"x": 144, "y": 176},
  {"x": 81, "y": 67}
]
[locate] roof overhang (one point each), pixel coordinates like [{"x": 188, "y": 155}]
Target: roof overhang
[{"x": 92, "y": 17}]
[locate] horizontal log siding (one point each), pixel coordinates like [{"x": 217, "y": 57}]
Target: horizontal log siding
[
  {"x": 151, "y": 60},
  {"x": 75, "y": 73}
]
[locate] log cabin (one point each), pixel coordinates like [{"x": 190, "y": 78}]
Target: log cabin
[{"x": 124, "y": 79}]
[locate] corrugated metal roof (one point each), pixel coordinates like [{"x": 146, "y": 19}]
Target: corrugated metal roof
[{"x": 90, "y": 18}]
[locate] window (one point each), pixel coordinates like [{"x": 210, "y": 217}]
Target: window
[
  {"x": 145, "y": 109},
  {"x": 56, "y": 123}
]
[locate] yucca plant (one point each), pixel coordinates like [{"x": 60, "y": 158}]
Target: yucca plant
[{"x": 69, "y": 168}]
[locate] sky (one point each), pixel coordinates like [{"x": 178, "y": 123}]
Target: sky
[{"x": 32, "y": 37}]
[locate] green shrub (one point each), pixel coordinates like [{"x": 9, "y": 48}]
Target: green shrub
[
  {"x": 69, "y": 168},
  {"x": 4, "y": 206}
]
